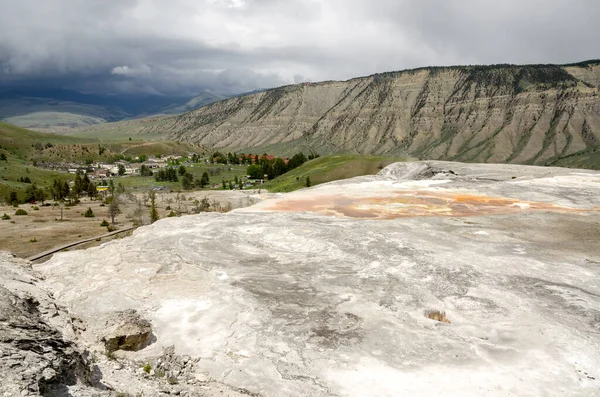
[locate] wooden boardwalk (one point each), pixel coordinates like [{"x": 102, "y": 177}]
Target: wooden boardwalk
[{"x": 72, "y": 244}]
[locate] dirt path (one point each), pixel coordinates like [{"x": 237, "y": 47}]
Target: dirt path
[
  {"x": 72, "y": 244},
  {"x": 134, "y": 146}
]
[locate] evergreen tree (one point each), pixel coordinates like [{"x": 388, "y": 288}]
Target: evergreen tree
[
  {"x": 307, "y": 184},
  {"x": 145, "y": 171},
  {"x": 279, "y": 167},
  {"x": 85, "y": 183},
  {"x": 40, "y": 195},
  {"x": 12, "y": 197},
  {"x": 187, "y": 181},
  {"x": 78, "y": 184},
  {"x": 92, "y": 191},
  {"x": 153, "y": 211},
  {"x": 204, "y": 180},
  {"x": 64, "y": 190},
  {"x": 296, "y": 161}
]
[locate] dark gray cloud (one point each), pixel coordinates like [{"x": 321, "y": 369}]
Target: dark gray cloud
[{"x": 231, "y": 46}]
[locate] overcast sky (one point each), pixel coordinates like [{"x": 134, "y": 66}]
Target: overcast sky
[{"x": 183, "y": 47}]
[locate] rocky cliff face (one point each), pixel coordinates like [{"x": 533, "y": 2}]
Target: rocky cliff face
[
  {"x": 36, "y": 355},
  {"x": 534, "y": 114}
]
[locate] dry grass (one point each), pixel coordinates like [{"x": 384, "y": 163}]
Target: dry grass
[
  {"x": 437, "y": 315},
  {"x": 17, "y": 232}
]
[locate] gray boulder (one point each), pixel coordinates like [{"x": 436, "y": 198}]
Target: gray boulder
[{"x": 125, "y": 330}]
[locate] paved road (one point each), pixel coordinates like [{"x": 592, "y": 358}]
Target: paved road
[{"x": 72, "y": 244}]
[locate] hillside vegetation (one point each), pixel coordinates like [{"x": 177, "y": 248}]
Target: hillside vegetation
[
  {"x": 24, "y": 151},
  {"x": 532, "y": 114},
  {"x": 327, "y": 169}
]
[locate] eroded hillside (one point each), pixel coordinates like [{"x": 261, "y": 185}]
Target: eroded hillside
[{"x": 535, "y": 114}]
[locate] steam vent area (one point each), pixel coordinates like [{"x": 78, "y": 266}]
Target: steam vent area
[{"x": 428, "y": 279}]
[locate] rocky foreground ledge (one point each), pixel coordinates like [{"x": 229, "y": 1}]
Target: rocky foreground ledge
[{"x": 329, "y": 291}]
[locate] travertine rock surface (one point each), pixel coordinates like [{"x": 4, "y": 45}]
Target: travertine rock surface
[{"x": 323, "y": 292}]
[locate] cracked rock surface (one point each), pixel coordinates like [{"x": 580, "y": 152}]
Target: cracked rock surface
[
  {"x": 322, "y": 292},
  {"x": 36, "y": 358}
]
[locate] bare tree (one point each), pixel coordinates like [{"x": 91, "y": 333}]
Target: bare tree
[
  {"x": 113, "y": 208},
  {"x": 138, "y": 214}
]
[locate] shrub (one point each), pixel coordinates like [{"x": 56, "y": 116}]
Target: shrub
[
  {"x": 20, "y": 211},
  {"x": 35, "y": 208},
  {"x": 437, "y": 315},
  {"x": 5, "y": 217},
  {"x": 89, "y": 213},
  {"x": 171, "y": 214},
  {"x": 147, "y": 368},
  {"x": 33, "y": 240},
  {"x": 104, "y": 223}
]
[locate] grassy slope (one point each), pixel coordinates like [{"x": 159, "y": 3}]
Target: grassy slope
[
  {"x": 329, "y": 168},
  {"x": 18, "y": 145},
  {"x": 589, "y": 159},
  {"x": 53, "y": 120},
  {"x": 120, "y": 130},
  {"x": 228, "y": 172}
]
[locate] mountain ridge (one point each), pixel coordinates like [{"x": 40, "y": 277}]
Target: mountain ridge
[
  {"x": 531, "y": 114},
  {"x": 61, "y": 111}
]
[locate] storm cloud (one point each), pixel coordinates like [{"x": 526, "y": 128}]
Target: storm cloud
[{"x": 182, "y": 47}]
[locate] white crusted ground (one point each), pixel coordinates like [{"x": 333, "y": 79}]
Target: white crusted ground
[{"x": 322, "y": 292}]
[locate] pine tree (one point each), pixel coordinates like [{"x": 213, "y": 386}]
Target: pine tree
[
  {"x": 91, "y": 190},
  {"x": 204, "y": 180},
  {"x": 77, "y": 185},
  {"x": 153, "y": 211}
]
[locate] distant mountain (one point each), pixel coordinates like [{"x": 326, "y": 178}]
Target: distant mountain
[
  {"x": 14, "y": 106},
  {"x": 57, "y": 122},
  {"x": 62, "y": 110},
  {"x": 529, "y": 114},
  {"x": 205, "y": 98}
]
